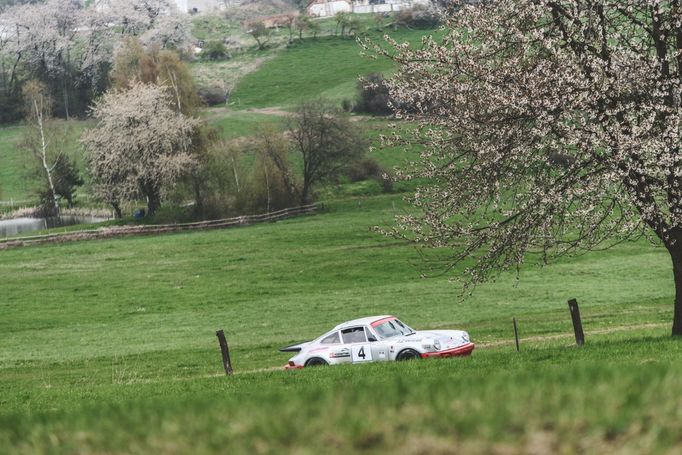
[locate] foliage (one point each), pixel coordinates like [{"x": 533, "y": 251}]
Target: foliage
[
  {"x": 373, "y": 95},
  {"x": 347, "y": 22},
  {"x": 140, "y": 146},
  {"x": 325, "y": 140},
  {"x": 69, "y": 47},
  {"x": 260, "y": 33},
  {"x": 67, "y": 178},
  {"x": 213, "y": 95},
  {"x": 419, "y": 16},
  {"x": 156, "y": 66},
  {"x": 214, "y": 50},
  {"x": 273, "y": 183},
  {"x": 516, "y": 83}
]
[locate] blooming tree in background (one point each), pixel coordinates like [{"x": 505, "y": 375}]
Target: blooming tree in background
[
  {"x": 551, "y": 127},
  {"x": 140, "y": 146},
  {"x": 70, "y": 46}
]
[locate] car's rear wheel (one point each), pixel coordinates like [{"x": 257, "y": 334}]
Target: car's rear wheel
[
  {"x": 408, "y": 354},
  {"x": 316, "y": 362}
]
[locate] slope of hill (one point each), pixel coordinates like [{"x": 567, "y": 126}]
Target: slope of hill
[{"x": 329, "y": 66}]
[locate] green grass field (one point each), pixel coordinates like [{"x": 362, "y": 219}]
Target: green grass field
[
  {"x": 109, "y": 346},
  {"x": 12, "y": 165},
  {"x": 325, "y": 67}
]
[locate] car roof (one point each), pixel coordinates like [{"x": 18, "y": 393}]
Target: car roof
[{"x": 362, "y": 321}]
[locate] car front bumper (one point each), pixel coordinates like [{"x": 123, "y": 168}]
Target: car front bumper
[{"x": 459, "y": 351}]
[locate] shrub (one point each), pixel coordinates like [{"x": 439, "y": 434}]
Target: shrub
[
  {"x": 347, "y": 105},
  {"x": 215, "y": 50},
  {"x": 213, "y": 95},
  {"x": 373, "y": 96},
  {"x": 364, "y": 169}
]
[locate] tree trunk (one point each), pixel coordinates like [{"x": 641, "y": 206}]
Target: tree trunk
[
  {"x": 677, "y": 273},
  {"x": 117, "y": 210},
  {"x": 43, "y": 157},
  {"x": 153, "y": 200},
  {"x": 305, "y": 193}
]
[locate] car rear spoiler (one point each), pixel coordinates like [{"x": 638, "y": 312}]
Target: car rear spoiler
[{"x": 294, "y": 347}]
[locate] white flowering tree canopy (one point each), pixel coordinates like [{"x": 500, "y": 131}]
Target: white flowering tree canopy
[
  {"x": 550, "y": 127},
  {"x": 51, "y": 35},
  {"x": 140, "y": 145}
]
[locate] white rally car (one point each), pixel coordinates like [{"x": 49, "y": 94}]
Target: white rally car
[{"x": 377, "y": 338}]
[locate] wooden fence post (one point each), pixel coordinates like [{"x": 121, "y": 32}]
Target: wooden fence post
[
  {"x": 577, "y": 323},
  {"x": 226, "y": 352},
  {"x": 516, "y": 335}
]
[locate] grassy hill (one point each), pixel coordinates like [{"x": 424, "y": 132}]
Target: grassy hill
[
  {"x": 109, "y": 346},
  {"x": 328, "y": 66}
]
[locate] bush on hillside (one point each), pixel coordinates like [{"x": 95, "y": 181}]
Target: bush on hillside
[
  {"x": 373, "y": 96},
  {"x": 364, "y": 169},
  {"x": 214, "y": 51},
  {"x": 368, "y": 168},
  {"x": 213, "y": 95}
]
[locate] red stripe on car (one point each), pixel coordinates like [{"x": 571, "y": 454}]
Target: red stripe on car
[{"x": 381, "y": 321}]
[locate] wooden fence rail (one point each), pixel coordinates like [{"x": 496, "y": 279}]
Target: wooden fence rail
[{"x": 121, "y": 231}]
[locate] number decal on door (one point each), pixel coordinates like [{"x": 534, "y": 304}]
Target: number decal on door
[{"x": 361, "y": 353}]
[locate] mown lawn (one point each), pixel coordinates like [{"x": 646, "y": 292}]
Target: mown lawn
[{"x": 109, "y": 346}]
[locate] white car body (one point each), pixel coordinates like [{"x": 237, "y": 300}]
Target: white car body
[{"x": 376, "y": 339}]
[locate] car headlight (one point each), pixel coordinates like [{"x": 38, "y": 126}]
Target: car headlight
[{"x": 436, "y": 345}]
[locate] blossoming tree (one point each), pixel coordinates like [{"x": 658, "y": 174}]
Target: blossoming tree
[
  {"x": 140, "y": 146},
  {"x": 551, "y": 126}
]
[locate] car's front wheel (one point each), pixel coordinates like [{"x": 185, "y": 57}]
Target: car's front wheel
[
  {"x": 316, "y": 362},
  {"x": 408, "y": 354}
]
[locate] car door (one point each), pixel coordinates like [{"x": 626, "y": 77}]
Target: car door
[
  {"x": 378, "y": 348},
  {"x": 355, "y": 339}
]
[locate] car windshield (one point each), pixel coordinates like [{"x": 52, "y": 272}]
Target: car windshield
[{"x": 392, "y": 328}]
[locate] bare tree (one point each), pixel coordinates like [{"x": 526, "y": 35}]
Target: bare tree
[
  {"x": 140, "y": 145},
  {"x": 289, "y": 21},
  {"x": 515, "y": 84},
  {"x": 326, "y": 140}
]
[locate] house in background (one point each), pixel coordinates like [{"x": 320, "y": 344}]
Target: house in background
[{"x": 327, "y": 8}]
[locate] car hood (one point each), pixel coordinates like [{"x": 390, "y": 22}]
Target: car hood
[{"x": 447, "y": 338}]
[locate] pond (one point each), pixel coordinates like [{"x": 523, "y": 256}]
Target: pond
[{"x": 22, "y": 225}]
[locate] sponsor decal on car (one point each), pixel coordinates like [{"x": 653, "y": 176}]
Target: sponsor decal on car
[
  {"x": 340, "y": 354},
  {"x": 409, "y": 340}
]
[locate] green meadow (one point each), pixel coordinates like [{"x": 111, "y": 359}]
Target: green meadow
[{"x": 109, "y": 346}]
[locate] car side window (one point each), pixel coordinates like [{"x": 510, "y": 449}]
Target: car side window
[
  {"x": 370, "y": 335},
  {"x": 354, "y": 335},
  {"x": 331, "y": 339}
]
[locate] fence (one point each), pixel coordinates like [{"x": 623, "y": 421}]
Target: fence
[{"x": 122, "y": 231}]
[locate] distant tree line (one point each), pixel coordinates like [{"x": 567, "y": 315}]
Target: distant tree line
[{"x": 69, "y": 47}]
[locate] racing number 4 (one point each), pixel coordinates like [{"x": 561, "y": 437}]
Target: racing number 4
[{"x": 361, "y": 353}]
